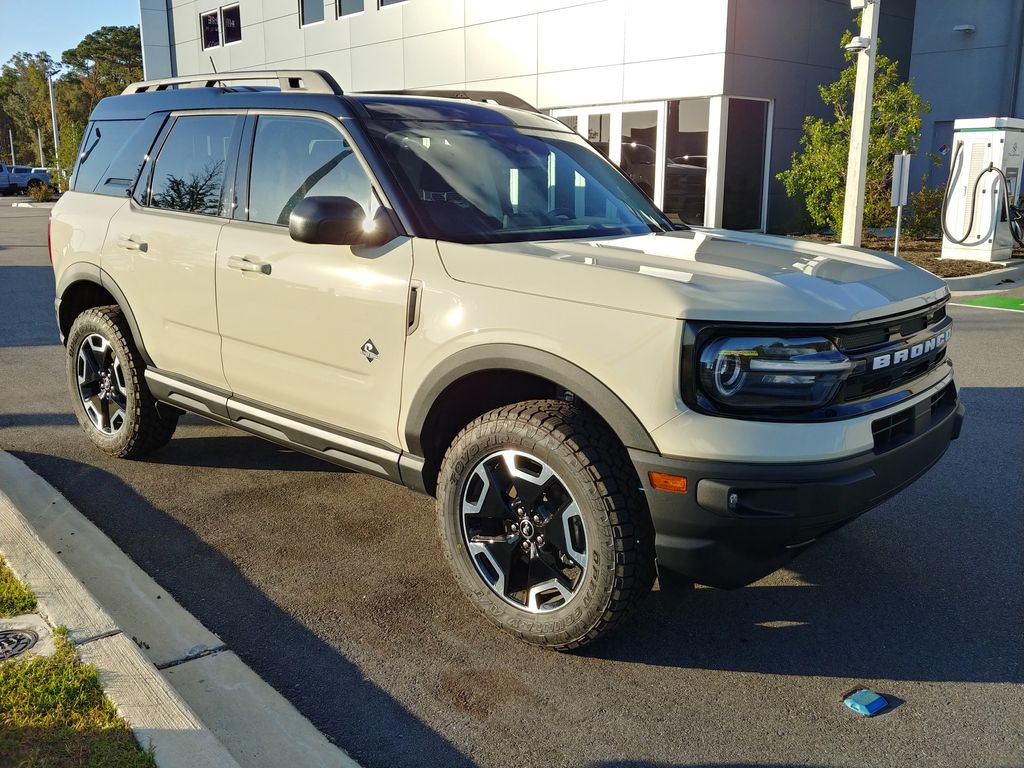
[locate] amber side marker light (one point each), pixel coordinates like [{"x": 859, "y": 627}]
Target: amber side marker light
[{"x": 666, "y": 482}]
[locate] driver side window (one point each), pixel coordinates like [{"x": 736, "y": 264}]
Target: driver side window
[{"x": 295, "y": 157}]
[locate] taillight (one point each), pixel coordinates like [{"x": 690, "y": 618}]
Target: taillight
[{"x": 49, "y": 239}]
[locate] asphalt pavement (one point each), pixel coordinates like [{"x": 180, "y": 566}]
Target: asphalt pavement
[{"x": 332, "y": 586}]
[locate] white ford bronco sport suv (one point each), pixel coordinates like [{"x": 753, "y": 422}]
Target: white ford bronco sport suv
[{"x": 465, "y": 297}]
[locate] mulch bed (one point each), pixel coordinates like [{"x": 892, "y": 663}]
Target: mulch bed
[{"x": 923, "y": 253}]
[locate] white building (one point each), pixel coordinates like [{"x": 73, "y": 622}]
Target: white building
[{"x": 706, "y": 97}]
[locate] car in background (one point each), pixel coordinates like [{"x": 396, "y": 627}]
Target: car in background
[
  {"x": 26, "y": 178},
  {"x": 20, "y": 178}
]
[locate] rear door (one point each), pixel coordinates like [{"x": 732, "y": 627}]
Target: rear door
[
  {"x": 316, "y": 331},
  {"x": 161, "y": 247}
]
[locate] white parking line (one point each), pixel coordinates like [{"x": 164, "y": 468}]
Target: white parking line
[{"x": 982, "y": 306}]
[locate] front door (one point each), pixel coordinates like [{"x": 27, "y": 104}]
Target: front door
[{"x": 317, "y": 331}]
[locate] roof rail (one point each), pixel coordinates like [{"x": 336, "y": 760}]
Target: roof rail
[
  {"x": 301, "y": 80},
  {"x": 501, "y": 98}
]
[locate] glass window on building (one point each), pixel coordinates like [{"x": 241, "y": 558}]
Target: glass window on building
[
  {"x": 599, "y": 132},
  {"x": 311, "y": 11},
  {"x": 638, "y": 158},
  {"x": 746, "y": 142},
  {"x": 231, "y": 21},
  {"x": 209, "y": 24},
  {"x": 686, "y": 160},
  {"x": 383, "y": 3},
  {"x": 349, "y": 7}
]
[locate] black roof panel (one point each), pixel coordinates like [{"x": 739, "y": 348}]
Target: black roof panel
[
  {"x": 138, "y": 106},
  {"x": 409, "y": 107}
]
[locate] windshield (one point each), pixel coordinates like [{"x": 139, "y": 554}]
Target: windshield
[{"x": 490, "y": 183}]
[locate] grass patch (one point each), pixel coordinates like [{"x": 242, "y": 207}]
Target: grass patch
[
  {"x": 53, "y": 714},
  {"x": 15, "y": 597},
  {"x": 923, "y": 253}
]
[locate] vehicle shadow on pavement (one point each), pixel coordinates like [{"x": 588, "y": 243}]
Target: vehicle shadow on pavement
[
  {"x": 37, "y": 420},
  {"x": 27, "y": 322},
  {"x": 325, "y": 686},
  {"x": 925, "y": 587},
  {"x": 237, "y": 452}
]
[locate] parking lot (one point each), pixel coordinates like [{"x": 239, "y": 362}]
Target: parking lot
[{"x": 332, "y": 586}]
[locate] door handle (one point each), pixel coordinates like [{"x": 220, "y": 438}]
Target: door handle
[
  {"x": 128, "y": 243},
  {"x": 247, "y": 264}
]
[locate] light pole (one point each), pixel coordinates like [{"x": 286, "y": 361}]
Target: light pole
[
  {"x": 866, "y": 44},
  {"x": 53, "y": 114}
]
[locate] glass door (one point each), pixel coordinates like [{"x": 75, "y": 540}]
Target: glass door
[{"x": 630, "y": 135}]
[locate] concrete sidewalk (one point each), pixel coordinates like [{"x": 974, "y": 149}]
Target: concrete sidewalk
[{"x": 183, "y": 692}]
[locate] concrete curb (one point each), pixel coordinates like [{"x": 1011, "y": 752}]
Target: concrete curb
[
  {"x": 990, "y": 281},
  {"x": 176, "y": 684}
]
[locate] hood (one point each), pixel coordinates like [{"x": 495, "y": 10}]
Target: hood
[{"x": 704, "y": 275}]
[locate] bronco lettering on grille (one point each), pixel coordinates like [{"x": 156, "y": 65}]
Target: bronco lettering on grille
[{"x": 907, "y": 354}]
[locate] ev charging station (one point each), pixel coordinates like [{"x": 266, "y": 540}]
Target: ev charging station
[{"x": 981, "y": 216}]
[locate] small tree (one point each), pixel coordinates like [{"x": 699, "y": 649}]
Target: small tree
[{"x": 817, "y": 175}]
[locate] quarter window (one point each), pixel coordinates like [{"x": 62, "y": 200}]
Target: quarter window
[
  {"x": 311, "y": 11},
  {"x": 349, "y": 7},
  {"x": 102, "y": 141},
  {"x": 210, "y": 29},
  {"x": 294, "y": 157},
  {"x": 190, "y": 171}
]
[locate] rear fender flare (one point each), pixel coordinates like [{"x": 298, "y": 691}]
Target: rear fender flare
[{"x": 83, "y": 271}]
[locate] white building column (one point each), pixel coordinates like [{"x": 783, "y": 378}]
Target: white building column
[{"x": 714, "y": 190}]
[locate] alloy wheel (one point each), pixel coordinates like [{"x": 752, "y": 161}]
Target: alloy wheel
[
  {"x": 101, "y": 384},
  {"x": 524, "y": 531}
]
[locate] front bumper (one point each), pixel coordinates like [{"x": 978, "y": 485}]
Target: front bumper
[{"x": 739, "y": 521}]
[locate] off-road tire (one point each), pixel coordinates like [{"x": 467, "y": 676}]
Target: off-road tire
[
  {"x": 597, "y": 471},
  {"x": 146, "y": 427}
]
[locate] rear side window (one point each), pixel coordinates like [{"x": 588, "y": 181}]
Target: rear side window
[
  {"x": 294, "y": 157},
  {"x": 190, "y": 171},
  {"x": 103, "y": 140}
]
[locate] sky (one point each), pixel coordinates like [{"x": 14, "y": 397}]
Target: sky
[{"x": 56, "y": 25}]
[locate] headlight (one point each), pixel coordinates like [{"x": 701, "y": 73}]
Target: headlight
[{"x": 758, "y": 373}]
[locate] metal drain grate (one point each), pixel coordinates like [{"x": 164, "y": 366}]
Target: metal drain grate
[{"x": 14, "y": 642}]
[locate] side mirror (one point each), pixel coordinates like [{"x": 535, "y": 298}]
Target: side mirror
[{"x": 331, "y": 221}]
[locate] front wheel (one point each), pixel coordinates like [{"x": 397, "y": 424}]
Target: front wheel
[
  {"x": 544, "y": 525},
  {"x": 108, "y": 393}
]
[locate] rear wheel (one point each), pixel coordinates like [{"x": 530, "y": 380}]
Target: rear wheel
[
  {"x": 544, "y": 526},
  {"x": 108, "y": 393}
]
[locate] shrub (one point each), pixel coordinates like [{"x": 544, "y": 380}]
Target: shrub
[
  {"x": 925, "y": 212},
  {"x": 818, "y": 171},
  {"x": 41, "y": 193}
]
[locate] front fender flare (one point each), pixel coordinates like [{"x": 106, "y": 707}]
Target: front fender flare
[{"x": 515, "y": 357}]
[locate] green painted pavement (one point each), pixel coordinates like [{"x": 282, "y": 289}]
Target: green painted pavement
[{"x": 999, "y": 302}]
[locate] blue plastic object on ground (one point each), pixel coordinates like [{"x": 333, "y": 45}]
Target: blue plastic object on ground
[{"x": 865, "y": 702}]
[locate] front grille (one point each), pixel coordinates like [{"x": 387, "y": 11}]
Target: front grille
[
  {"x": 893, "y": 430},
  {"x": 889, "y": 337}
]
